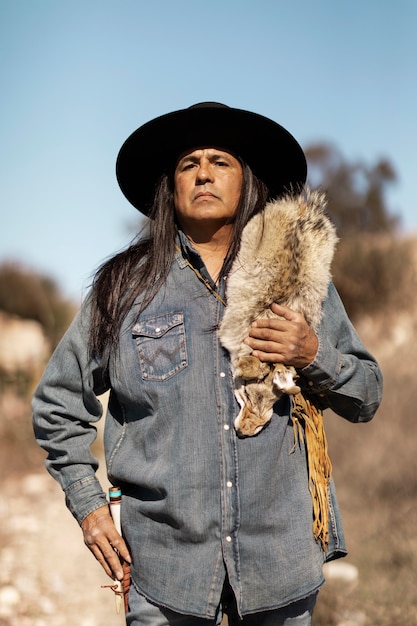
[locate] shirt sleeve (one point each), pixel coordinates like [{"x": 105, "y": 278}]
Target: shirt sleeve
[
  {"x": 344, "y": 376},
  {"x": 65, "y": 407}
]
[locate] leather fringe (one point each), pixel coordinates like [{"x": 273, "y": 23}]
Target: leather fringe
[{"x": 308, "y": 428}]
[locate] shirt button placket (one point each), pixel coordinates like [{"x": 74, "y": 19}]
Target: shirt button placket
[{"x": 228, "y": 489}]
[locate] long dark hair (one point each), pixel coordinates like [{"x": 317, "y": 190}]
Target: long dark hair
[{"x": 143, "y": 267}]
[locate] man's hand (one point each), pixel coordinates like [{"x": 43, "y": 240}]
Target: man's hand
[
  {"x": 102, "y": 538},
  {"x": 290, "y": 340}
]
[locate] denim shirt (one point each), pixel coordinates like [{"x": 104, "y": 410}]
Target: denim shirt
[{"x": 198, "y": 501}]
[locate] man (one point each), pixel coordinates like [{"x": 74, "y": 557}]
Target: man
[{"x": 212, "y": 523}]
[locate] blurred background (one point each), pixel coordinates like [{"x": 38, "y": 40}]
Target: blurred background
[{"x": 77, "y": 78}]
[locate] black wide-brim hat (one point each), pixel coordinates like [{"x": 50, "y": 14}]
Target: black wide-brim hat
[{"x": 272, "y": 153}]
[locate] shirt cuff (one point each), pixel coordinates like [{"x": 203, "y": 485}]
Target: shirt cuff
[
  {"x": 322, "y": 373},
  {"x": 85, "y": 496}
]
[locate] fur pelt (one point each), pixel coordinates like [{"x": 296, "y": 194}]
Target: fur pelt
[{"x": 284, "y": 257}]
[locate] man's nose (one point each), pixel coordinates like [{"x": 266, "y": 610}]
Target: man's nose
[{"x": 204, "y": 174}]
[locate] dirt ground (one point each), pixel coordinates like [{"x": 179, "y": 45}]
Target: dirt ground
[{"x": 48, "y": 577}]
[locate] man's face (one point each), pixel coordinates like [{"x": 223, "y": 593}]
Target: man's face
[{"x": 207, "y": 187}]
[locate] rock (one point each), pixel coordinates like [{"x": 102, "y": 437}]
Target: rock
[
  {"x": 340, "y": 570},
  {"x": 9, "y": 599}
]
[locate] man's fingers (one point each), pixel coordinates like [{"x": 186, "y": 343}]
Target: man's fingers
[
  {"x": 107, "y": 557},
  {"x": 103, "y": 561},
  {"x": 284, "y": 311},
  {"x": 118, "y": 544},
  {"x": 283, "y": 341},
  {"x": 269, "y": 322},
  {"x": 112, "y": 560},
  {"x": 102, "y": 538}
]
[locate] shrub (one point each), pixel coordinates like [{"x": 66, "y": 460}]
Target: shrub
[
  {"x": 375, "y": 273},
  {"x": 32, "y": 296}
]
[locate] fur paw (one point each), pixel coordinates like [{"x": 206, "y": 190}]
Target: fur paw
[
  {"x": 251, "y": 368},
  {"x": 284, "y": 379}
]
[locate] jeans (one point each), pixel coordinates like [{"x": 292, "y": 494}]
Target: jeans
[{"x": 141, "y": 612}]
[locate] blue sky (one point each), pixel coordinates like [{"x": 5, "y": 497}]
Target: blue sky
[{"x": 77, "y": 77}]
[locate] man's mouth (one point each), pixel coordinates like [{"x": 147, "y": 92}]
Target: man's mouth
[{"x": 204, "y": 194}]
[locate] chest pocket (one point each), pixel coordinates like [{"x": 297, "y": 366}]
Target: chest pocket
[{"x": 161, "y": 346}]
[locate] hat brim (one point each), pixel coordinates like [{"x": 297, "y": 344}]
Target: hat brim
[{"x": 272, "y": 153}]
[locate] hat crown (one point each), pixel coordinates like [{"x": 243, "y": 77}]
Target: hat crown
[{"x": 209, "y": 105}]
